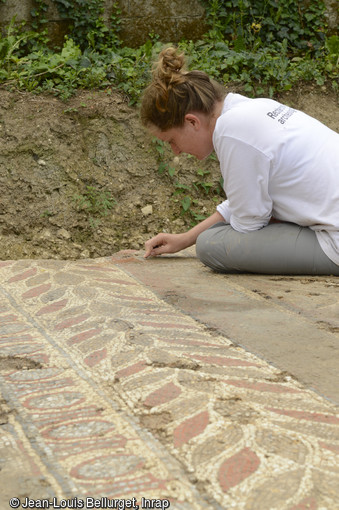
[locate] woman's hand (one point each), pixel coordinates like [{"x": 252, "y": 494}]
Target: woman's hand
[
  {"x": 171, "y": 243},
  {"x": 166, "y": 243}
]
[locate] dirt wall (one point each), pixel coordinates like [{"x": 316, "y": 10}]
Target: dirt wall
[{"x": 81, "y": 179}]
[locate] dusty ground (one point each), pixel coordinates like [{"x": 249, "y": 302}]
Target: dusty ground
[{"x": 81, "y": 179}]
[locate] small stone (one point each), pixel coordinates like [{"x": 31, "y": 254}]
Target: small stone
[
  {"x": 41, "y": 162},
  {"x": 147, "y": 210},
  {"x": 46, "y": 234},
  {"x": 63, "y": 233}
]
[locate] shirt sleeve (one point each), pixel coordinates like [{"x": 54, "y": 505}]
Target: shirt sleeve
[
  {"x": 224, "y": 210},
  {"x": 246, "y": 172}
]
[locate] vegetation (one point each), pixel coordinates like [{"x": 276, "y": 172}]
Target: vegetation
[
  {"x": 187, "y": 195},
  {"x": 94, "y": 202},
  {"x": 264, "y": 47}
]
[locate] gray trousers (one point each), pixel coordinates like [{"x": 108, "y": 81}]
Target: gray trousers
[{"x": 279, "y": 248}]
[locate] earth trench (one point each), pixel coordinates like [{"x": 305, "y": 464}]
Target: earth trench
[{"x": 81, "y": 178}]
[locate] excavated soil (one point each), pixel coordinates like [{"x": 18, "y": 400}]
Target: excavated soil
[{"x": 81, "y": 179}]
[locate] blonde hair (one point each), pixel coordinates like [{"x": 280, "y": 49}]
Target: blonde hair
[{"x": 174, "y": 92}]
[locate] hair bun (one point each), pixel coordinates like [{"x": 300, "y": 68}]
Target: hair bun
[{"x": 170, "y": 63}]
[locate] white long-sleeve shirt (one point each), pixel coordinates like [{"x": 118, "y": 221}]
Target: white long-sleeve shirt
[{"x": 280, "y": 162}]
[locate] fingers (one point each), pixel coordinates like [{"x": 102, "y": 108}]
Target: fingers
[
  {"x": 151, "y": 251},
  {"x": 155, "y": 246}
]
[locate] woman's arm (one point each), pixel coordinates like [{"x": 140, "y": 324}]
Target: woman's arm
[{"x": 172, "y": 243}]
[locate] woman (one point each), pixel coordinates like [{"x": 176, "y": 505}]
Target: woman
[{"x": 280, "y": 169}]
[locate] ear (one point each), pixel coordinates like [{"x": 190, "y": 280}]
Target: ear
[{"x": 193, "y": 120}]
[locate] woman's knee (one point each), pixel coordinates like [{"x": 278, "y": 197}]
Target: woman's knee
[
  {"x": 203, "y": 248},
  {"x": 210, "y": 248}
]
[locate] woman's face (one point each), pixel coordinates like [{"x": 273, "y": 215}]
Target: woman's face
[{"x": 194, "y": 137}]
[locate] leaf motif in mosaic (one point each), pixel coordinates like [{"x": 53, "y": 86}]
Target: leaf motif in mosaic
[
  {"x": 186, "y": 406},
  {"x": 53, "y": 294},
  {"x": 38, "y": 279},
  {"x": 327, "y": 484},
  {"x": 84, "y": 292},
  {"x": 160, "y": 357},
  {"x": 125, "y": 358},
  {"x": 162, "y": 395},
  {"x": 190, "y": 428},
  {"x": 311, "y": 430},
  {"x": 237, "y": 468},
  {"x": 71, "y": 311},
  {"x": 101, "y": 308},
  {"x": 140, "y": 338},
  {"x": 282, "y": 445},
  {"x": 142, "y": 382},
  {"x": 67, "y": 278},
  {"x": 91, "y": 344},
  {"x": 275, "y": 491},
  {"x": 216, "y": 445},
  {"x": 235, "y": 409},
  {"x": 196, "y": 382}
]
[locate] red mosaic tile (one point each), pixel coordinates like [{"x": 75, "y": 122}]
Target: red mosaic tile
[
  {"x": 223, "y": 361},
  {"x": 123, "y": 282},
  {"x": 165, "y": 394},
  {"x": 23, "y": 276},
  {"x": 84, "y": 335},
  {"x": 54, "y": 307},
  {"x": 68, "y": 323},
  {"x": 132, "y": 369},
  {"x": 39, "y": 357},
  {"x": 95, "y": 357},
  {"x": 304, "y": 415},
  {"x": 46, "y": 417},
  {"x": 4, "y": 263},
  {"x": 37, "y": 291},
  {"x": 184, "y": 341},
  {"x": 238, "y": 467},
  {"x": 332, "y": 447},
  {"x": 127, "y": 260},
  {"x": 190, "y": 428}
]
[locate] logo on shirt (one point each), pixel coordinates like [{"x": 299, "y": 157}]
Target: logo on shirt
[{"x": 281, "y": 114}]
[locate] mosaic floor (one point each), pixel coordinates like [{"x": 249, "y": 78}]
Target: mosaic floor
[{"x": 111, "y": 396}]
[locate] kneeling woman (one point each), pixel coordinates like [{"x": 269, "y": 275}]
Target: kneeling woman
[{"x": 280, "y": 169}]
